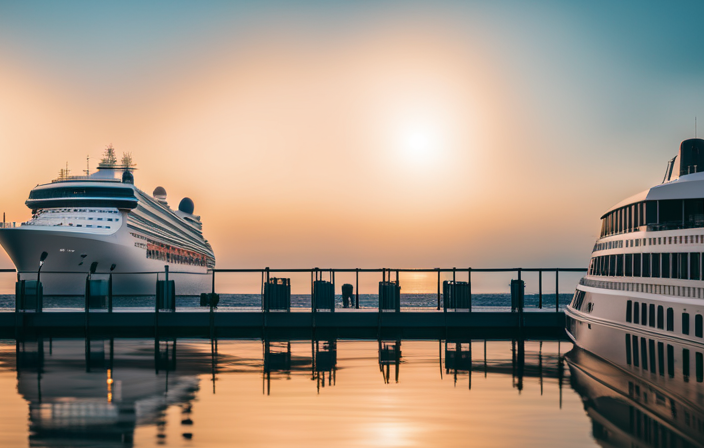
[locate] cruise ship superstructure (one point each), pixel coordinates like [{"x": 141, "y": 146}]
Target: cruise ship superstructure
[
  {"x": 646, "y": 275},
  {"x": 103, "y": 217}
]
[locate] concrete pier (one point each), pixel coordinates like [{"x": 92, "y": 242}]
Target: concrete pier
[{"x": 358, "y": 324}]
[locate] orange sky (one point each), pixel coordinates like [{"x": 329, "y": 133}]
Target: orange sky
[{"x": 428, "y": 136}]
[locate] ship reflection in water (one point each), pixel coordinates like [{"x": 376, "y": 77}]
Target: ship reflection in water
[
  {"x": 640, "y": 390},
  {"x": 187, "y": 392}
]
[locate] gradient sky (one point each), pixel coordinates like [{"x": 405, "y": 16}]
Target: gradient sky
[{"x": 359, "y": 133}]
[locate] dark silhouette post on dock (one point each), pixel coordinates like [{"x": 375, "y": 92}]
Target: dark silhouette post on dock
[
  {"x": 346, "y": 295},
  {"x": 112, "y": 268},
  {"x": 38, "y": 303}
]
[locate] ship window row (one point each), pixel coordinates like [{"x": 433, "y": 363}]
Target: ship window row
[
  {"x": 641, "y": 352},
  {"x": 647, "y": 314},
  {"x": 75, "y": 210},
  {"x": 609, "y": 245},
  {"x": 81, "y": 192},
  {"x": 654, "y": 241},
  {"x": 648, "y": 288},
  {"x": 170, "y": 254},
  {"x": 647, "y": 429},
  {"x": 184, "y": 241},
  {"x": 680, "y": 265},
  {"x": 83, "y": 218},
  {"x": 667, "y": 214},
  {"x": 61, "y": 224}
]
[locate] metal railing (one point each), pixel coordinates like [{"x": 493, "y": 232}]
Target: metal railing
[
  {"x": 387, "y": 275},
  {"x": 265, "y": 272}
]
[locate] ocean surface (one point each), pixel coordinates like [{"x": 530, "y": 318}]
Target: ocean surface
[
  {"x": 254, "y": 393},
  {"x": 480, "y": 302}
]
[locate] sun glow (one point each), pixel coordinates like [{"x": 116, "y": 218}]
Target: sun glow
[{"x": 420, "y": 143}]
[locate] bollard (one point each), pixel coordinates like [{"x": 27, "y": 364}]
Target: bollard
[
  {"x": 324, "y": 295},
  {"x": 389, "y": 296},
  {"x": 347, "y": 290},
  {"x": 29, "y": 295},
  {"x": 456, "y": 295},
  {"x": 277, "y": 294},
  {"x": 517, "y": 293}
]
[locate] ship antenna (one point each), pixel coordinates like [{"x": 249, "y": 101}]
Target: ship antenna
[{"x": 88, "y": 165}]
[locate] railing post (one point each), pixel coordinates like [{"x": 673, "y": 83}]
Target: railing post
[
  {"x": 266, "y": 284},
  {"x": 444, "y": 298},
  {"x": 454, "y": 287},
  {"x": 521, "y": 299},
  {"x": 211, "y": 316},
  {"x": 557, "y": 290},
  {"x": 312, "y": 291},
  {"x": 356, "y": 288},
  {"x": 18, "y": 294},
  {"x": 156, "y": 307},
  {"x": 469, "y": 286},
  {"x": 19, "y": 305},
  {"x": 110, "y": 293},
  {"x": 87, "y": 303},
  {"x": 540, "y": 289},
  {"x": 398, "y": 290},
  {"x": 438, "y": 269},
  {"x": 332, "y": 278}
]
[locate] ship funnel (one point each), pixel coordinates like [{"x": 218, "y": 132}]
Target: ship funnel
[{"x": 691, "y": 156}]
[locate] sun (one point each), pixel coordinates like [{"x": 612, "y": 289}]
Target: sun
[{"x": 419, "y": 143}]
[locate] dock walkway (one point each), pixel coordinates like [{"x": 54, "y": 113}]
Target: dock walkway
[{"x": 357, "y": 324}]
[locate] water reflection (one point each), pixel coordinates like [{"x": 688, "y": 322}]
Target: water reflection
[
  {"x": 639, "y": 390},
  {"x": 79, "y": 389},
  {"x": 120, "y": 392},
  {"x": 389, "y": 355}
]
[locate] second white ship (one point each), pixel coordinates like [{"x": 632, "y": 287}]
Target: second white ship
[{"x": 104, "y": 218}]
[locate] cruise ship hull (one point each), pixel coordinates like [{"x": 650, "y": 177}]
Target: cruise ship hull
[
  {"x": 611, "y": 308},
  {"x": 71, "y": 253},
  {"x": 645, "y": 351},
  {"x": 631, "y": 406}
]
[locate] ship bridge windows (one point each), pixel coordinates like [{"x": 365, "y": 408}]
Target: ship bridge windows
[
  {"x": 73, "y": 192},
  {"x": 668, "y": 214}
]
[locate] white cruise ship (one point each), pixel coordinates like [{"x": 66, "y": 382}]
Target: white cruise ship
[
  {"x": 645, "y": 276},
  {"x": 103, "y": 217}
]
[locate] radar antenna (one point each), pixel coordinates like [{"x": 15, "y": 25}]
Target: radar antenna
[
  {"x": 87, "y": 165},
  {"x": 109, "y": 159}
]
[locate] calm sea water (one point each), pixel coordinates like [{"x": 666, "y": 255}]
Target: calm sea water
[
  {"x": 487, "y": 302},
  {"x": 347, "y": 393}
]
